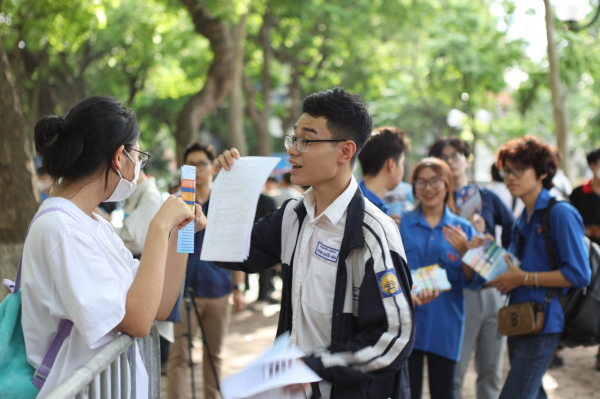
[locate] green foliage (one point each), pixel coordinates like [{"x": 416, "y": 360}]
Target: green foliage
[{"x": 412, "y": 61}]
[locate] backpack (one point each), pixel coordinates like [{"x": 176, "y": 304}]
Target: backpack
[
  {"x": 581, "y": 306},
  {"x": 18, "y": 379}
]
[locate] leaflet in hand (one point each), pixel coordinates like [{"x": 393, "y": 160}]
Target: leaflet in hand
[
  {"x": 468, "y": 201},
  {"x": 266, "y": 377},
  {"x": 233, "y": 199},
  {"x": 185, "y": 236},
  {"x": 431, "y": 277},
  {"x": 487, "y": 260}
]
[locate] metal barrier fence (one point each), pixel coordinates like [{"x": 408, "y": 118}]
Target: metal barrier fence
[{"x": 111, "y": 364}]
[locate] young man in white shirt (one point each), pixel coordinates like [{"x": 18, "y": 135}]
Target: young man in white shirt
[{"x": 346, "y": 294}]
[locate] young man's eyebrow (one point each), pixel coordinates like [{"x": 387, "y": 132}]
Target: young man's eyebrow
[{"x": 307, "y": 129}]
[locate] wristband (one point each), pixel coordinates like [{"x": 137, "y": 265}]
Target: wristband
[{"x": 536, "y": 281}]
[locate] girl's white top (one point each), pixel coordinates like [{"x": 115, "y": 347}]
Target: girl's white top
[{"x": 66, "y": 275}]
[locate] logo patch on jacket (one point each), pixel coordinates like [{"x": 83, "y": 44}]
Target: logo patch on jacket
[
  {"x": 388, "y": 283},
  {"x": 327, "y": 253},
  {"x": 539, "y": 230},
  {"x": 452, "y": 256}
]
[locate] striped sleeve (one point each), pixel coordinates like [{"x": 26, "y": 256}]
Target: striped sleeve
[{"x": 385, "y": 312}]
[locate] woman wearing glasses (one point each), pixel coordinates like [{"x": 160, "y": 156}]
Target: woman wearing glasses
[
  {"x": 75, "y": 269},
  {"x": 528, "y": 166},
  {"x": 434, "y": 235}
]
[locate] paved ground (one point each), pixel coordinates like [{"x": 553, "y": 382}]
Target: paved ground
[{"x": 251, "y": 333}]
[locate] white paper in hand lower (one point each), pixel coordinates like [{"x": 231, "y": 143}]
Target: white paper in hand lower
[
  {"x": 233, "y": 199},
  {"x": 266, "y": 377}
]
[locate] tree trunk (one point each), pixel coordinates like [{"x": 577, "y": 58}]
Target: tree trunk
[
  {"x": 295, "y": 99},
  {"x": 237, "y": 136},
  {"x": 260, "y": 120},
  {"x": 559, "y": 98},
  {"x": 219, "y": 79},
  {"x": 19, "y": 197}
]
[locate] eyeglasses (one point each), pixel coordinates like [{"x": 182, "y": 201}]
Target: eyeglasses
[
  {"x": 455, "y": 156},
  {"x": 142, "y": 156},
  {"x": 302, "y": 143},
  {"x": 435, "y": 182},
  {"x": 199, "y": 164},
  {"x": 516, "y": 172}
]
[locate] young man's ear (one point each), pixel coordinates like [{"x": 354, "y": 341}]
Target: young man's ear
[
  {"x": 348, "y": 150},
  {"x": 390, "y": 164}
]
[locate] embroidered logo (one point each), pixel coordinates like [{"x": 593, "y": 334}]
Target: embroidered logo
[
  {"x": 355, "y": 293},
  {"x": 388, "y": 283},
  {"x": 452, "y": 256},
  {"x": 327, "y": 253},
  {"x": 539, "y": 230}
]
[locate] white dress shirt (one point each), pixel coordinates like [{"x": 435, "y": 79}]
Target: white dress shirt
[{"x": 315, "y": 269}]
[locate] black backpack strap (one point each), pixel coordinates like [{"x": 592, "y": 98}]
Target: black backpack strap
[{"x": 552, "y": 292}]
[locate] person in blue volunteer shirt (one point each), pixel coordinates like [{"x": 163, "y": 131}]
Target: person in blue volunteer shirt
[
  {"x": 529, "y": 165},
  {"x": 433, "y": 234},
  {"x": 481, "y": 314},
  {"x": 382, "y": 162}
]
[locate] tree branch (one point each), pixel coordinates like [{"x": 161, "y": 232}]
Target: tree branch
[{"x": 219, "y": 79}]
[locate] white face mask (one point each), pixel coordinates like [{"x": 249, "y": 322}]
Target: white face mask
[{"x": 125, "y": 187}]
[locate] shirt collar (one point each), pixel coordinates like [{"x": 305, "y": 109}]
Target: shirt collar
[
  {"x": 542, "y": 200},
  {"x": 374, "y": 198},
  {"x": 447, "y": 218},
  {"x": 336, "y": 209},
  {"x": 587, "y": 187}
]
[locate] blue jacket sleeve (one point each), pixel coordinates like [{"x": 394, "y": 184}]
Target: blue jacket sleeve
[
  {"x": 503, "y": 217},
  {"x": 567, "y": 234}
]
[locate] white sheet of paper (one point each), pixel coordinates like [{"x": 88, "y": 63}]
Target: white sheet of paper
[
  {"x": 233, "y": 199},
  {"x": 266, "y": 377}
]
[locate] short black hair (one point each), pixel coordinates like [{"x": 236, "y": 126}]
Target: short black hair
[
  {"x": 83, "y": 143},
  {"x": 384, "y": 143},
  {"x": 460, "y": 145},
  {"x": 208, "y": 149},
  {"x": 346, "y": 114},
  {"x": 593, "y": 156}
]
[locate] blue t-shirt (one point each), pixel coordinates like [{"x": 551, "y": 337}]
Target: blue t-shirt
[
  {"x": 440, "y": 323},
  {"x": 205, "y": 278},
  {"x": 570, "y": 252},
  {"x": 371, "y": 196}
]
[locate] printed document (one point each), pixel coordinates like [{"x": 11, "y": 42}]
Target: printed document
[
  {"x": 233, "y": 199},
  {"x": 268, "y": 376}
]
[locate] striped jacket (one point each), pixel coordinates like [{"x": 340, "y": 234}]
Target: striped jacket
[{"x": 373, "y": 324}]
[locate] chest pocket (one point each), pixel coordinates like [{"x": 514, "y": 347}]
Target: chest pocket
[{"x": 319, "y": 286}]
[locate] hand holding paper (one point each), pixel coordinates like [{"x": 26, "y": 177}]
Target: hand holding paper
[
  {"x": 233, "y": 201},
  {"x": 269, "y": 376}
]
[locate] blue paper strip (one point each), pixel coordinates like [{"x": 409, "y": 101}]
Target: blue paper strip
[{"x": 185, "y": 236}]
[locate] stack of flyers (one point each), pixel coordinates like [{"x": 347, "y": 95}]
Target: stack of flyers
[
  {"x": 430, "y": 277},
  {"x": 487, "y": 261}
]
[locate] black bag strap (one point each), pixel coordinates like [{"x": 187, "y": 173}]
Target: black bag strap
[{"x": 552, "y": 292}]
